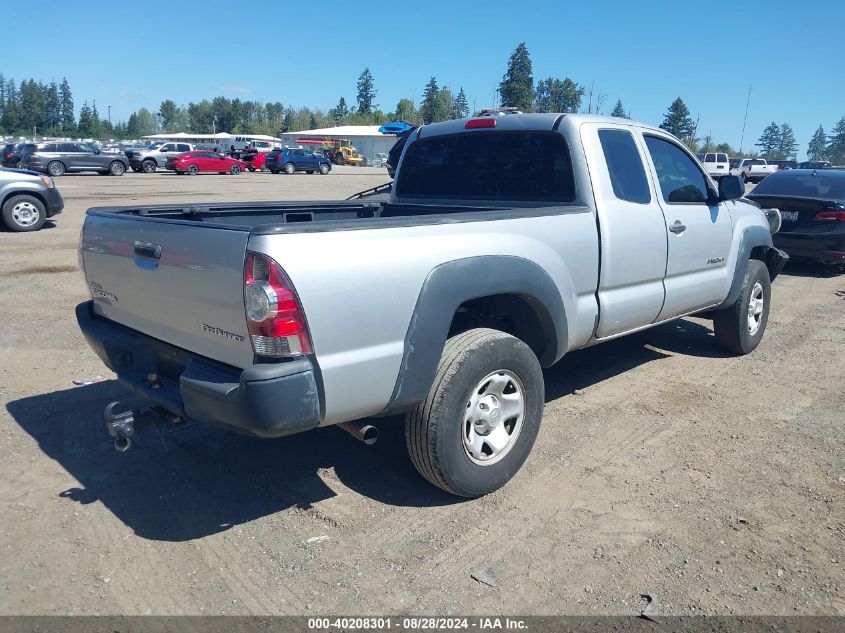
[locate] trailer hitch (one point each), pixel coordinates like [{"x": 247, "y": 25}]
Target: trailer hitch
[{"x": 122, "y": 426}]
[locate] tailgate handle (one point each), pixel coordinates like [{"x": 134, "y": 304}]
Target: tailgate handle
[{"x": 148, "y": 250}]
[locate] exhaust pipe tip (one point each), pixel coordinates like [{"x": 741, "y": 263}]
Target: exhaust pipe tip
[
  {"x": 366, "y": 433},
  {"x": 122, "y": 443}
]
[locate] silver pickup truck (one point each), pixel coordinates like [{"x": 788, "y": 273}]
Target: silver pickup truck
[{"x": 507, "y": 241}]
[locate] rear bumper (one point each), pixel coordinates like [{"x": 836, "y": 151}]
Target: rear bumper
[
  {"x": 822, "y": 247},
  {"x": 264, "y": 400}
]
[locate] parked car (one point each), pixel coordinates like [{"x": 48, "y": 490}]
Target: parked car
[
  {"x": 290, "y": 160},
  {"x": 156, "y": 155},
  {"x": 27, "y": 199},
  {"x": 193, "y": 163},
  {"x": 57, "y": 159},
  {"x": 814, "y": 164},
  {"x": 753, "y": 169},
  {"x": 716, "y": 164},
  {"x": 380, "y": 160},
  {"x": 10, "y": 155},
  {"x": 442, "y": 303},
  {"x": 812, "y": 209},
  {"x": 255, "y": 162},
  {"x": 783, "y": 164}
]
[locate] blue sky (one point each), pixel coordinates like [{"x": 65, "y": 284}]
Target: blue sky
[{"x": 130, "y": 54}]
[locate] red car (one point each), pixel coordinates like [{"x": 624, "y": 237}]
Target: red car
[
  {"x": 192, "y": 163},
  {"x": 256, "y": 162}
]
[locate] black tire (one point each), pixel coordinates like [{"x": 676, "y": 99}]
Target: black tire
[
  {"x": 117, "y": 168},
  {"x": 324, "y": 169},
  {"x": 731, "y": 325},
  {"x": 149, "y": 166},
  {"x": 192, "y": 170},
  {"x": 137, "y": 170},
  {"x": 23, "y": 213},
  {"x": 434, "y": 429},
  {"x": 289, "y": 168},
  {"x": 274, "y": 171},
  {"x": 56, "y": 168},
  {"x": 235, "y": 170},
  {"x": 310, "y": 172}
]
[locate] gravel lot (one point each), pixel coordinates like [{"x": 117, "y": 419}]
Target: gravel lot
[{"x": 715, "y": 484}]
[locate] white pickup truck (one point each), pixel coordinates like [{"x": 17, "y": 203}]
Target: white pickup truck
[
  {"x": 753, "y": 169},
  {"x": 716, "y": 164},
  {"x": 507, "y": 242}
]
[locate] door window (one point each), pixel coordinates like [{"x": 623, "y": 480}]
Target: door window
[
  {"x": 681, "y": 181},
  {"x": 67, "y": 148},
  {"x": 625, "y": 166},
  {"x": 183, "y": 148}
]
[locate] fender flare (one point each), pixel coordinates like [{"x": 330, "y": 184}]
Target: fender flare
[
  {"x": 752, "y": 237},
  {"x": 453, "y": 283}
]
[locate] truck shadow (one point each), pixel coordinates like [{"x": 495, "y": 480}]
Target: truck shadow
[
  {"x": 812, "y": 269},
  {"x": 189, "y": 481}
]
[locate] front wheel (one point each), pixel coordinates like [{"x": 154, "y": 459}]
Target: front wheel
[
  {"x": 24, "y": 213},
  {"x": 117, "y": 168},
  {"x": 479, "y": 421},
  {"x": 149, "y": 166},
  {"x": 739, "y": 328},
  {"x": 324, "y": 169},
  {"x": 235, "y": 170}
]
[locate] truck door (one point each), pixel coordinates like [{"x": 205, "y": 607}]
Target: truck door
[
  {"x": 699, "y": 231},
  {"x": 632, "y": 230}
]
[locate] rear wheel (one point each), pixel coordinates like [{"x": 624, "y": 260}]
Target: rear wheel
[
  {"x": 56, "y": 168},
  {"x": 192, "y": 170},
  {"x": 149, "y": 166},
  {"x": 117, "y": 168},
  {"x": 235, "y": 169},
  {"x": 289, "y": 168},
  {"x": 739, "y": 328},
  {"x": 24, "y": 213},
  {"x": 479, "y": 421}
]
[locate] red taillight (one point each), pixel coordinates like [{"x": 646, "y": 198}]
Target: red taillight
[
  {"x": 478, "y": 123},
  {"x": 830, "y": 216},
  {"x": 274, "y": 317}
]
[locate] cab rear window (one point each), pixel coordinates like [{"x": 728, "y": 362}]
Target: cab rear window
[{"x": 517, "y": 166}]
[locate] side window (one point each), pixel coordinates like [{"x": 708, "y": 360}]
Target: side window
[
  {"x": 625, "y": 166},
  {"x": 681, "y": 181},
  {"x": 67, "y": 147},
  {"x": 183, "y": 148}
]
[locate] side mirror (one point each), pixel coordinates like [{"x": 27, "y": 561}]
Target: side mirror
[
  {"x": 97, "y": 150},
  {"x": 731, "y": 188}
]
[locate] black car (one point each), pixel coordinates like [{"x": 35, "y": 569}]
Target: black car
[
  {"x": 10, "y": 155},
  {"x": 814, "y": 164},
  {"x": 812, "y": 207},
  {"x": 59, "y": 158}
]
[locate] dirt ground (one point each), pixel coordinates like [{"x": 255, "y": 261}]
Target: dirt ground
[{"x": 714, "y": 484}]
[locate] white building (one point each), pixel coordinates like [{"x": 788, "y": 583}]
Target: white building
[
  {"x": 365, "y": 138},
  {"x": 223, "y": 140}
]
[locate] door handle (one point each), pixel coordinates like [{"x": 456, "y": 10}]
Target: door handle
[
  {"x": 148, "y": 250},
  {"x": 677, "y": 227}
]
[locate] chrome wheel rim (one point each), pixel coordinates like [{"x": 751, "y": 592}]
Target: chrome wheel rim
[
  {"x": 56, "y": 169},
  {"x": 25, "y": 214},
  {"x": 493, "y": 418},
  {"x": 755, "y": 308},
  {"x": 117, "y": 169},
  {"x": 192, "y": 169}
]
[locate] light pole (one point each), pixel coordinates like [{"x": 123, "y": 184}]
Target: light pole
[
  {"x": 214, "y": 125},
  {"x": 109, "y": 107}
]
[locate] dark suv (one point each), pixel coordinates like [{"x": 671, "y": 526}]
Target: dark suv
[
  {"x": 10, "y": 155},
  {"x": 58, "y": 158},
  {"x": 291, "y": 159}
]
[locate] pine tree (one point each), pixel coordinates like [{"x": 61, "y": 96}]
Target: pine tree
[
  {"x": 366, "y": 92},
  {"x": 53, "y": 108},
  {"x": 2, "y": 94},
  {"x": 407, "y": 111},
  {"x": 66, "y": 99},
  {"x": 517, "y": 87},
  {"x": 339, "y": 112},
  {"x": 85, "y": 120},
  {"x": 11, "y": 115},
  {"x": 431, "y": 106},
  {"x": 788, "y": 147},
  {"x": 836, "y": 144},
  {"x": 618, "y": 111},
  {"x": 769, "y": 142},
  {"x": 677, "y": 121},
  {"x": 817, "y": 149},
  {"x": 461, "y": 104}
]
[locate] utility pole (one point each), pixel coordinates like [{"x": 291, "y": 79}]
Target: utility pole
[
  {"x": 109, "y": 107},
  {"x": 744, "y": 120},
  {"x": 214, "y": 124}
]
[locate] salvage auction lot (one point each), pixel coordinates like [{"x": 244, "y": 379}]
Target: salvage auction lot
[{"x": 663, "y": 467}]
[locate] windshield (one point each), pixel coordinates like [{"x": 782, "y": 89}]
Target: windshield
[
  {"x": 823, "y": 184},
  {"x": 525, "y": 166}
]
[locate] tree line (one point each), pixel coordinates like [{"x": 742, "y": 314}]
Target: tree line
[{"x": 48, "y": 109}]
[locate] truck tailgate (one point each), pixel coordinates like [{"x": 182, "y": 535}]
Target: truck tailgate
[{"x": 177, "y": 282}]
